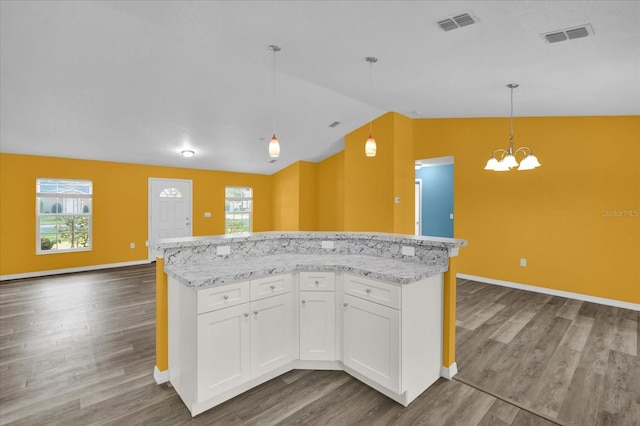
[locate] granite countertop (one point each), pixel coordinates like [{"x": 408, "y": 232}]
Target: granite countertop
[{"x": 381, "y": 268}]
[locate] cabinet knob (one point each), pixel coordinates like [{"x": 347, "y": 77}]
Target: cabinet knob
[
  {"x": 317, "y": 282},
  {"x": 225, "y": 297},
  {"x": 273, "y": 287},
  {"x": 345, "y": 304},
  {"x": 368, "y": 290},
  {"x": 246, "y": 314},
  {"x": 255, "y": 312},
  {"x": 304, "y": 301}
]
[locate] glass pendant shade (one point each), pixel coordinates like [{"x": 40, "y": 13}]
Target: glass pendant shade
[
  {"x": 274, "y": 147},
  {"x": 370, "y": 147}
]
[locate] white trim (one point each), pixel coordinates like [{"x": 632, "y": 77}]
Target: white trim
[
  {"x": 449, "y": 372},
  {"x": 454, "y": 251},
  {"x": 553, "y": 292},
  {"x": 160, "y": 376},
  {"x": 69, "y": 270}
]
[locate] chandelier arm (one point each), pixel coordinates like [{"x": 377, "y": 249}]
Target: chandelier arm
[
  {"x": 523, "y": 148},
  {"x": 503, "y": 151}
]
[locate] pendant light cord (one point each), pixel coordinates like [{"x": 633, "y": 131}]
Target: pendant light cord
[
  {"x": 511, "y": 86},
  {"x": 370, "y": 90},
  {"x": 275, "y": 49}
]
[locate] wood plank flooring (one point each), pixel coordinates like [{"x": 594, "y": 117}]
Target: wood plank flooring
[
  {"x": 79, "y": 349},
  {"x": 576, "y": 362}
]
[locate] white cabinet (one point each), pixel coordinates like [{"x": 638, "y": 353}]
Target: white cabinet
[
  {"x": 371, "y": 336},
  {"x": 223, "y": 350},
  {"x": 272, "y": 333},
  {"x": 317, "y": 325},
  {"x": 226, "y": 339},
  {"x": 317, "y": 316},
  {"x": 392, "y": 334}
]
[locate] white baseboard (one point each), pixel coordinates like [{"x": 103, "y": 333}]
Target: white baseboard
[
  {"x": 449, "y": 372},
  {"x": 160, "y": 376},
  {"x": 69, "y": 270},
  {"x": 553, "y": 292}
]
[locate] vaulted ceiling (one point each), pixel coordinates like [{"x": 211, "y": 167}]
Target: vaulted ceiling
[{"x": 138, "y": 81}]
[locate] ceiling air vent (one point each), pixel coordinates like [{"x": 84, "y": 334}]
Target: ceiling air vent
[
  {"x": 272, "y": 161},
  {"x": 568, "y": 33},
  {"x": 456, "y": 21},
  {"x": 334, "y": 124}
]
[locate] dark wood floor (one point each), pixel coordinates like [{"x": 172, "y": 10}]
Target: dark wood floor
[
  {"x": 79, "y": 349},
  {"x": 573, "y": 361}
]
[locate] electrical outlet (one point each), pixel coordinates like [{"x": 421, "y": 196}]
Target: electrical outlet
[
  {"x": 397, "y": 200},
  {"x": 523, "y": 262},
  {"x": 132, "y": 245},
  {"x": 207, "y": 214}
]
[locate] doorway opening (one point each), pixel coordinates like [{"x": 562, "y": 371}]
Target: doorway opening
[{"x": 434, "y": 201}]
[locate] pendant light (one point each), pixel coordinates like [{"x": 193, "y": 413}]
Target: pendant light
[
  {"x": 370, "y": 146},
  {"x": 274, "y": 144},
  {"x": 508, "y": 160}
]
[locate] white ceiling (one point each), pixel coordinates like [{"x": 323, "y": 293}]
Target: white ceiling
[{"x": 138, "y": 81}]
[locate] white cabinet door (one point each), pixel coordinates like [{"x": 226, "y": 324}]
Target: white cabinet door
[
  {"x": 222, "y": 350},
  {"x": 272, "y": 333},
  {"x": 371, "y": 341},
  {"x": 317, "y": 326}
]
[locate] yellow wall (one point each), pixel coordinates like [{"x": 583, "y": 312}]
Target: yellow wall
[
  {"x": 404, "y": 175},
  {"x": 286, "y": 198},
  {"x": 120, "y": 206},
  {"x": 371, "y": 184},
  {"x": 331, "y": 193},
  {"x": 308, "y": 196},
  {"x": 560, "y": 217}
]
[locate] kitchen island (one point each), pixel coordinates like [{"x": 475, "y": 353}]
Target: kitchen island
[{"x": 244, "y": 309}]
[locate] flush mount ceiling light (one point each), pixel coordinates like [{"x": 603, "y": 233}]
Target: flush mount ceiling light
[
  {"x": 507, "y": 159},
  {"x": 274, "y": 143},
  {"x": 187, "y": 153},
  {"x": 370, "y": 146}
]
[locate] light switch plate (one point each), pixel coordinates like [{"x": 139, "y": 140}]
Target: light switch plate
[
  {"x": 408, "y": 251},
  {"x": 207, "y": 214},
  {"x": 222, "y": 250},
  {"x": 328, "y": 245}
]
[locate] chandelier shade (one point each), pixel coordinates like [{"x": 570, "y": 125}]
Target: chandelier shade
[{"x": 503, "y": 160}]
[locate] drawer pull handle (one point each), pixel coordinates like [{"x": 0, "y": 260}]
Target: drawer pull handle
[
  {"x": 273, "y": 287},
  {"x": 304, "y": 301},
  {"x": 368, "y": 290},
  {"x": 225, "y": 297},
  {"x": 246, "y": 314},
  {"x": 256, "y": 312}
]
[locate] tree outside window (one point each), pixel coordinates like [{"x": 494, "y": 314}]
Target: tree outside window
[
  {"x": 238, "y": 209},
  {"x": 63, "y": 215}
]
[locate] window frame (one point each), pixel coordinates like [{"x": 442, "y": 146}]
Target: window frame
[
  {"x": 56, "y": 197},
  {"x": 236, "y": 199}
]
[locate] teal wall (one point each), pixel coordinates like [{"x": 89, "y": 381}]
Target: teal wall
[{"x": 437, "y": 200}]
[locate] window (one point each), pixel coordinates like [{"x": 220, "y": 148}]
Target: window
[
  {"x": 237, "y": 209},
  {"x": 63, "y": 215},
  {"x": 170, "y": 193}
]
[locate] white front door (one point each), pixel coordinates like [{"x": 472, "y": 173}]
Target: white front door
[{"x": 170, "y": 209}]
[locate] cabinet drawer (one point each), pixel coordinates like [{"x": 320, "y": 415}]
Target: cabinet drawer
[
  {"x": 214, "y": 298},
  {"x": 270, "y": 286},
  {"x": 375, "y": 291},
  {"x": 317, "y": 281}
]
